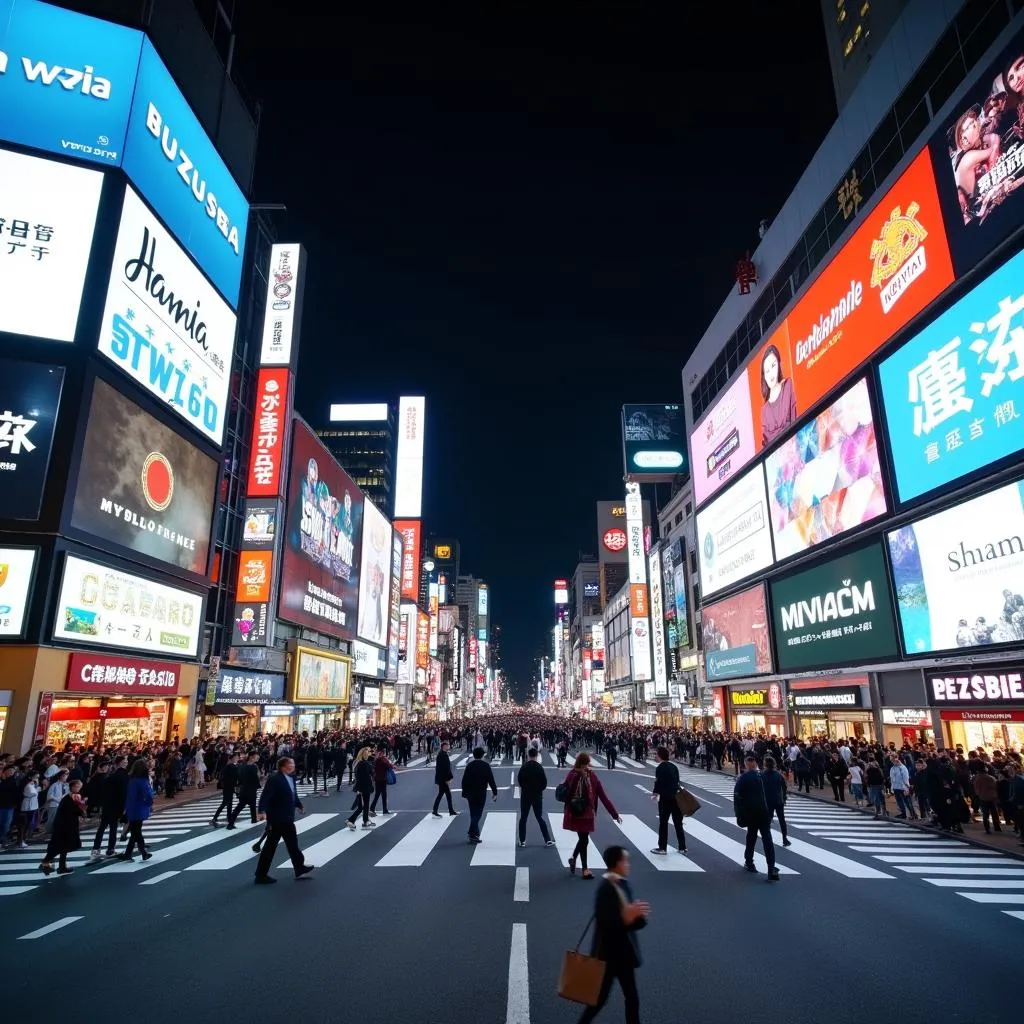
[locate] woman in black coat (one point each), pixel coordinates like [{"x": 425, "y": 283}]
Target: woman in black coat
[{"x": 65, "y": 836}]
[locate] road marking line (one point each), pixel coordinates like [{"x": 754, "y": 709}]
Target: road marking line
[
  {"x": 975, "y": 883},
  {"x": 240, "y": 854},
  {"x": 517, "y": 1009},
  {"x": 971, "y": 869},
  {"x": 643, "y": 838},
  {"x": 1019, "y": 914},
  {"x": 337, "y": 843},
  {"x": 993, "y": 897},
  {"x": 735, "y": 851},
  {"x": 167, "y": 853},
  {"x": 498, "y": 848},
  {"x": 16, "y": 890},
  {"x": 416, "y": 845},
  {"x": 564, "y": 841},
  {"x": 160, "y": 878},
  {"x": 986, "y": 858},
  {"x": 521, "y": 893},
  {"x": 515, "y": 793},
  {"x": 62, "y": 922}
]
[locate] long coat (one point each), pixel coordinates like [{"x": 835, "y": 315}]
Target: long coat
[
  {"x": 65, "y": 837},
  {"x": 586, "y": 821}
]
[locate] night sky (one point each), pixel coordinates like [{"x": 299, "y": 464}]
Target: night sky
[{"x": 528, "y": 213}]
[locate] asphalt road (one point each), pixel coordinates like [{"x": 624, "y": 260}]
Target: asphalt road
[{"x": 408, "y": 922}]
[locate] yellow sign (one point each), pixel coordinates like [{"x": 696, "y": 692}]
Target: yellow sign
[
  {"x": 443, "y": 551},
  {"x": 319, "y": 676},
  {"x": 848, "y": 196},
  {"x": 901, "y": 234}
]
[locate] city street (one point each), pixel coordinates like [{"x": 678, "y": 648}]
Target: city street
[{"x": 410, "y": 922}]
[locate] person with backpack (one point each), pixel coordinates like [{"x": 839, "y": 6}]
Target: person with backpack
[{"x": 581, "y": 791}]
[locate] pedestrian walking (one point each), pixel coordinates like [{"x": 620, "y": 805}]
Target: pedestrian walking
[
  {"x": 65, "y": 836},
  {"x": 583, "y": 791},
  {"x": 611, "y": 752},
  {"x": 363, "y": 788},
  {"x": 617, "y": 919},
  {"x": 113, "y": 791},
  {"x": 751, "y": 807},
  {"x": 666, "y": 785},
  {"x": 776, "y": 792},
  {"x": 278, "y": 803},
  {"x": 532, "y": 781},
  {"x": 138, "y": 806},
  {"x": 381, "y": 767},
  {"x": 476, "y": 778},
  {"x": 228, "y": 781},
  {"x": 442, "y": 777},
  {"x": 248, "y": 788}
]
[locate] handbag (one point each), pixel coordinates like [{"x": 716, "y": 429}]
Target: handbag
[
  {"x": 687, "y": 803},
  {"x": 561, "y": 792},
  {"x": 581, "y": 976},
  {"x": 392, "y": 777}
]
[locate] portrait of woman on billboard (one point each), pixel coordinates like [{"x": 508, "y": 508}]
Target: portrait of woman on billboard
[{"x": 779, "y": 409}]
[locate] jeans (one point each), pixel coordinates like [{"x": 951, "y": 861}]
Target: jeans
[
  {"x": 765, "y": 831},
  {"x": 839, "y": 790},
  {"x": 904, "y": 802},
  {"x": 476, "y": 810},
  {"x": 989, "y": 809},
  {"x": 876, "y": 796},
  {"x": 135, "y": 838},
  {"x": 362, "y": 803},
  {"x": 6, "y": 821},
  {"x": 857, "y": 789},
  {"x": 533, "y": 803}
]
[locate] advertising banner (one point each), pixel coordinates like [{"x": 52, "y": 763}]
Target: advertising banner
[
  {"x": 723, "y": 442},
  {"x": 679, "y": 589},
  {"x": 106, "y": 673},
  {"x": 320, "y": 567},
  {"x": 951, "y": 392},
  {"x": 767, "y": 698},
  {"x": 978, "y": 153},
  {"x": 255, "y": 576},
  {"x": 368, "y": 660},
  {"x": 422, "y": 639},
  {"x": 733, "y": 533},
  {"x": 269, "y": 428},
  {"x": 259, "y": 526},
  {"x": 658, "y": 626},
  {"x": 164, "y": 325},
  {"x": 102, "y": 606},
  {"x": 47, "y": 221},
  {"x": 828, "y": 698},
  {"x": 836, "y": 613},
  {"x": 409, "y": 529},
  {"x": 176, "y": 167},
  {"x": 654, "y": 442},
  {"x": 409, "y": 458},
  {"x": 67, "y": 81},
  {"x": 240, "y": 686},
  {"x": 735, "y": 634},
  {"x": 612, "y": 541},
  {"x": 375, "y": 576},
  {"x": 958, "y": 574},
  {"x": 17, "y": 572},
  {"x": 406, "y": 643},
  {"x": 319, "y": 677},
  {"x": 967, "y": 685},
  {"x": 433, "y": 598},
  {"x": 395, "y": 605},
  {"x": 826, "y": 478},
  {"x": 29, "y": 400},
  {"x": 283, "y": 306},
  {"x": 639, "y": 615},
  {"x": 141, "y": 486}
]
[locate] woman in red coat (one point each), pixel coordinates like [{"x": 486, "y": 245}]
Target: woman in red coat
[{"x": 583, "y": 789}]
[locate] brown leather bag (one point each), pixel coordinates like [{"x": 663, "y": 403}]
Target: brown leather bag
[
  {"x": 581, "y": 976},
  {"x": 687, "y": 803}
]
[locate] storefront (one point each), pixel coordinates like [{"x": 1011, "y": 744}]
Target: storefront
[
  {"x": 835, "y": 708},
  {"x": 110, "y": 700},
  {"x": 907, "y": 725},
  {"x": 979, "y": 706},
  {"x": 320, "y": 686},
  {"x": 756, "y": 710},
  {"x": 233, "y": 705}
]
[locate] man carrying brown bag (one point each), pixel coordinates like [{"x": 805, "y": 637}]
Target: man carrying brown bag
[
  {"x": 617, "y": 918},
  {"x": 666, "y": 790}
]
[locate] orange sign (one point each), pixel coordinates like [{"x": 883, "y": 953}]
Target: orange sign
[
  {"x": 638, "y": 600},
  {"x": 410, "y": 531},
  {"x": 891, "y": 268},
  {"x": 254, "y": 575}
]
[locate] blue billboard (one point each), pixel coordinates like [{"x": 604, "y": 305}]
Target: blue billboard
[
  {"x": 169, "y": 157},
  {"x": 66, "y": 81},
  {"x": 951, "y": 392}
]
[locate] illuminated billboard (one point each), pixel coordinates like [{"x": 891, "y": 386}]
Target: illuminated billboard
[
  {"x": 653, "y": 442},
  {"x": 561, "y": 592},
  {"x": 409, "y": 458},
  {"x": 735, "y": 635},
  {"x": 639, "y": 611},
  {"x": 375, "y": 576}
]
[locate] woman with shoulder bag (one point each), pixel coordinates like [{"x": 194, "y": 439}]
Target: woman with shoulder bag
[{"x": 583, "y": 790}]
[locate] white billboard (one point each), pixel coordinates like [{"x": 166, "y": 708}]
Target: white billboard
[
  {"x": 733, "y": 533},
  {"x": 165, "y": 325},
  {"x": 658, "y": 626},
  {"x": 434, "y": 597},
  {"x": 279, "y": 325},
  {"x": 639, "y": 613},
  {"x": 17, "y": 569},
  {"x": 409, "y": 458},
  {"x": 47, "y": 219},
  {"x": 375, "y": 577},
  {"x": 106, "y": 607},
  {"x": 359, "y": 412}
]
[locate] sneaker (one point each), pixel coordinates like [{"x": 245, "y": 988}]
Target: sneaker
[
  {"x": 256, "y": 847},
  {"x": 434, "y": 814},
  {"x": 125, "y": 856},
  {"x": 22, "y": 846},
  {"x": 370, "y": 824},
  {"x": 550, "y": 842},
  {"x": 146, "y": 855},
  {"x": 658, "y": 850},
  {"x": 773, "y": 875},
  {"x": 305, "y": 870},
  {"x": 453, "y": 814},
  {"x": 521, "y": 843},
  {"x": 351, "y": 825},
  {"x": 265, "y": 880},
  {"x": 46, "y": 867},
  {"x": 64, "y": 871},
  {"x": 749, "y": 866},
  {"x": 786, "y": 842},
  {"x": 213, "y": 822},
  {"x": 682, "y": 850},
  {"x": 373, "y": 814},
  {"x": 95, "y": 855}
]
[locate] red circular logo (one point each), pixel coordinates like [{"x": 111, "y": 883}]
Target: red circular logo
[
  {"x": 614, "y": 539},
  {"x": 157, "y": 481},
  {"x": 775, "y": 695}
]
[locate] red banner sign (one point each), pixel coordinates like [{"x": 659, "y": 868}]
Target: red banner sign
[
  {"x": 410, "y": 531},
  {"x": 43, "y": 718},
  {"x": 268, "y": 433},
  {"x": 105, "y": 673}
]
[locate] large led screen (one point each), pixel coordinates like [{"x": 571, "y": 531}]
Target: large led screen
[
  {"x": 17, "y": 573},
  {"x": 320, "y": 560},
  {"x": 654, "y": 442},
  {"x": 375, "y": 576},
  {"x": 141, "y": 486},
  {"x": 835, "y": 613},
  {"x": 734, "y": 535},
  {"x": 47, "y": 219},
  {"x": 979, "y": 160},
  {"x": 951, "y": 392},
  {"x": 723, "y": 442},
  {"x": 826, "y": 479},
  {"x": 735, "y": 634},
  {"x": 959, "y": 574}
]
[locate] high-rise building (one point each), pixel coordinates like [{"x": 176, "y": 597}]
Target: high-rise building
[
  {"x": 361, "y": 436},
  {"x": 854, "y": 31},
  {"x": 445, "y": 554}
]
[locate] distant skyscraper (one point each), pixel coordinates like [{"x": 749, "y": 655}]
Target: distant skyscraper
[
  {"x": 854, "y": 29},
  {"x": 362, "y": 438}
]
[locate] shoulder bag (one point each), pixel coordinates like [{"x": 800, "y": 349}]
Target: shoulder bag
[
  {"x": 582, "y": 976},
  {"x": 581, "y": 799},
  {"x": 392, "y": 778}
]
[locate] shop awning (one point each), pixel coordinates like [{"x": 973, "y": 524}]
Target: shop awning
[
  {"x": 93, "y": 713},
  {"x": 228, "y": 711}
]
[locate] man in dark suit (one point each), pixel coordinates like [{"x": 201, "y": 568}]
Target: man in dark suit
[
  {"x": 617, "y": 917},
  {"x": 751, "y": 806},
  {"x": 248, "y": 787},
  {"x": 666, "y": 785},
  {"x": 228, "y": 781},
  {"x": 278, "y": 803},
  {"x": 442, "y": 776},
  {"x": 475, "y": 781},
  {"x": 533, "y": 781}
]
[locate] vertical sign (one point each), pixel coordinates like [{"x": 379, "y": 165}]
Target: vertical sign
[
  {"x": 409, "y": 529},
  {"x": 639, "y": 613},
  {"x": 658, "y": 625},
  {"x": 434, "y": 592},
  {"x": 409, "y": 458},
  {"x": 284, "y": 289}
]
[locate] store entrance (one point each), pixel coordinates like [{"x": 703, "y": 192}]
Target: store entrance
[{"x": 90, "y": 721}]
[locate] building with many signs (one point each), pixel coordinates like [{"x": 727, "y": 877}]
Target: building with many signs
[{"x": 855, "y": 432}]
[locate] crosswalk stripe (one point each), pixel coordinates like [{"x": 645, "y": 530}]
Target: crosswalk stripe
[
  {"x": 644, "y": 838},
  {"x": 909, "y": 844},
  {"x": 564, "y": 841},
  {"x": 157, "y": 879},
  {"x": 554, "y": 760},
  {"x": 857, "y": 837},
  {"x": 17, "y": 890},
  {"x": 980, "y": 857},
  {"x": 729, "y": 848},
  {"x": 885, "y": 848},
  {"x": 498, "y": 847},
  {"x": 923, "y": 869},
  {"x": 630, "y": 761},
  {"x": 992, "y": 897},
  {"x": 974, "y": 883},
  {"x": 240, "y": 854},
  {"x": 337, "y": 843},
  {"x": 415, "y": 846},
  {"x": 167, "y": 853},
  {"x": 35, "y": 876},
  {"x": 1019, "y": 914}
]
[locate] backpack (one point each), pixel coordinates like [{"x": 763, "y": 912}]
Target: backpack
[{"x": 581, "y": 798}]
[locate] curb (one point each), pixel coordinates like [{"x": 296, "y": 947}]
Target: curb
[{"x": 971, "y": 840}]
